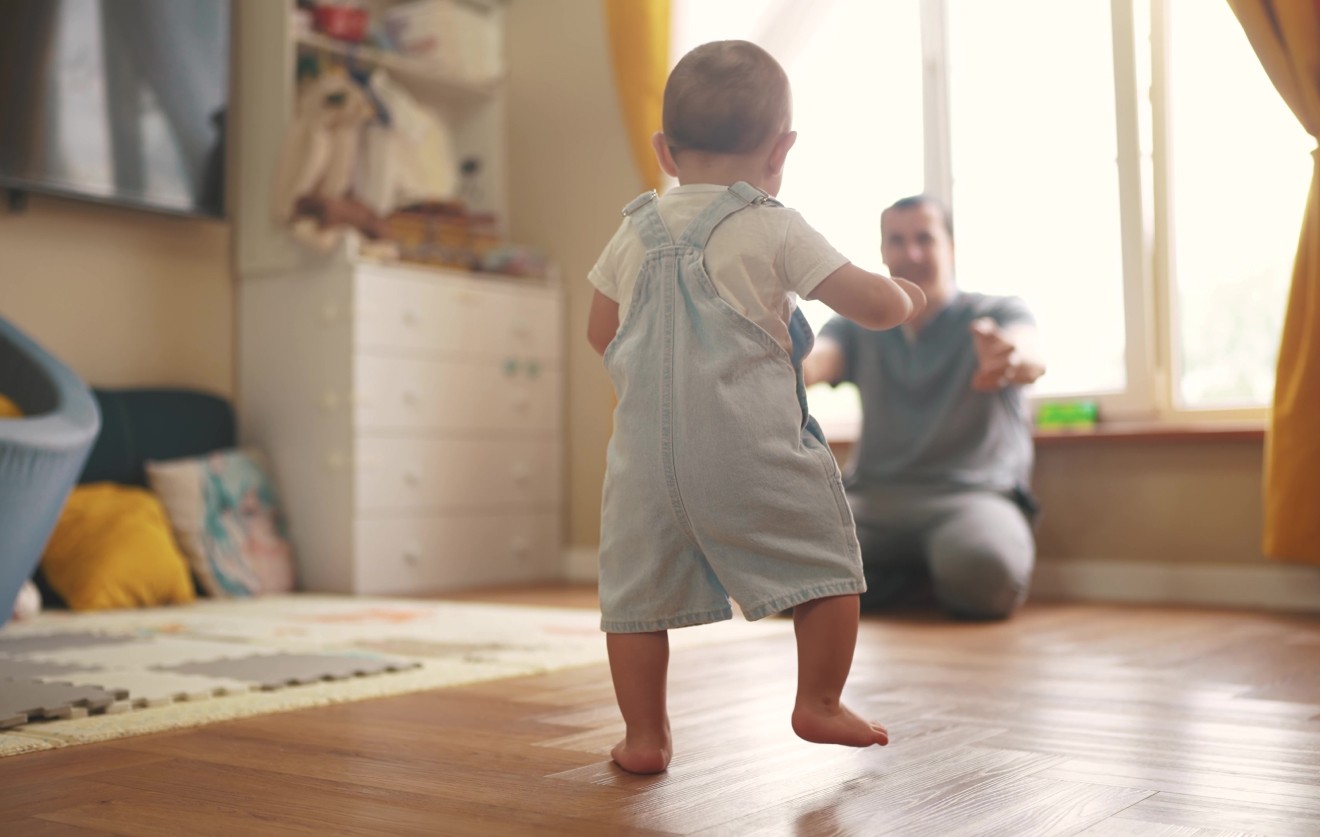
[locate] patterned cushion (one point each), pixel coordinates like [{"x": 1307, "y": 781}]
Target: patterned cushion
[{"x": 226, "y": 516}]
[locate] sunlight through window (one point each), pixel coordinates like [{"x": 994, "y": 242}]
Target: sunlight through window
[{"x": 1240, "y": 167}]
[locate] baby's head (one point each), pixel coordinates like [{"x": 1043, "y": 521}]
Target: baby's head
[{"x": 726, "y": 99}]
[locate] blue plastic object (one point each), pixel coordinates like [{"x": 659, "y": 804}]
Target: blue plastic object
[{"x": 41, "y": 454}]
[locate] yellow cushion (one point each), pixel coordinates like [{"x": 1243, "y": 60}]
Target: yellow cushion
[
  {"x": 112, "y": 548},
  {"x": 8, "y": 409}
]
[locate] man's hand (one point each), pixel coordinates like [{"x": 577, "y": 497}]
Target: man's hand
[{"x": 1000, "y": 361}]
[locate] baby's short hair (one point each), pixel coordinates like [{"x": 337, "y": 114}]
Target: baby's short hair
[{"x": 726, "y": 97}]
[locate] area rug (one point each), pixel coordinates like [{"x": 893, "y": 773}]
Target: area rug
[{"x": 158, "y": 669}]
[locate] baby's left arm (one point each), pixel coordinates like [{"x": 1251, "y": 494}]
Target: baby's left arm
[{"x": 603, "y": 322}]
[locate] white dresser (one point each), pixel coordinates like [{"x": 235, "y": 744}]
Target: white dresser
[{"x": 413, "y": 419}]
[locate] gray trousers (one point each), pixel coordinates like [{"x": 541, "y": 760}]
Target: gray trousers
[{"x": 975, "y": 547}]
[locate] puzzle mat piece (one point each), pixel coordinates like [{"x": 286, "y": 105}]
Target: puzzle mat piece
[
  {"x": 152, "y": 652},
  {"x": 33, "y": 700},
  {"x": 17, "y": 668},
  {"x": 158, "y": 688},
  {"x": 16, "y": 646},
  {"x": 275, "y": 671}
]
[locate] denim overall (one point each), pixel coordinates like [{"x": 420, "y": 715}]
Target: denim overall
[{"x": 718, "y": 482}]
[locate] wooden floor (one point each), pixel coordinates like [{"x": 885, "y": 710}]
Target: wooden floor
[{"x": 1065, "y": 720}]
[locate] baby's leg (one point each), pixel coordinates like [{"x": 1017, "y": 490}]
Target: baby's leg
[
  {"x": 639, "y": 664},
  {"x": 826, "y": 636}
]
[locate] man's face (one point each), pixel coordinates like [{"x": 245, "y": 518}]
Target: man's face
[{"x": 915, "y": 246}]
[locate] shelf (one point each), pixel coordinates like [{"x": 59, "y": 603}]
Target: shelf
[{"x": 423, "y": 80}]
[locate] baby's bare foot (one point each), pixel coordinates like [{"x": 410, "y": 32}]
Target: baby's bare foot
[
  {"x": 643, "y": 757},
  {"x": 836, "y": 725}
]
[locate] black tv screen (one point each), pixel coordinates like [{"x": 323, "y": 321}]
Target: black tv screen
[{"x": 121, "y": 101}]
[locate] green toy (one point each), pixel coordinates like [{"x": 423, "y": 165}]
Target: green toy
[{"x": 1067, "y": 415}]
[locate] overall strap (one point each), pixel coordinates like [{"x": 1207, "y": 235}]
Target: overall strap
[
  {"x": 739, "y": 196},
  {"x": 646, "y": 220}
]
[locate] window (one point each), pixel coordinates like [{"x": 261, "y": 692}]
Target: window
[
  {"x": 859, "y": 146},
  {"x": 1035, "y": 176},
  {"x": 1233, "y": 227},
  {"x": 1125, "y": 166}
]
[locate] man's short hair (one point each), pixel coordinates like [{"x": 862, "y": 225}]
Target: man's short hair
[
  {"x": 725, "y": 97},
  {"x": 917, "y": 201}
]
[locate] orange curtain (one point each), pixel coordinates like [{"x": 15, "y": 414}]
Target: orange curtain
[
  {"x": 639, "y": 49},
  {"x": 1286, "y": 37}
]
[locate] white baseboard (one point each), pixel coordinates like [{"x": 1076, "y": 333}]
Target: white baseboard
[
  {"x": 1281, "y": 587},
  {"x": 581, "y": 564}
]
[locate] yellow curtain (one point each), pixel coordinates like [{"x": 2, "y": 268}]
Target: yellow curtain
[
  {"x": 1286, "y": 37},
  {"x": 639, "y": 48}
]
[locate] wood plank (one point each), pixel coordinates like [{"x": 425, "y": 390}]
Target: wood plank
[
  {"x": 38, "y": 799},
  {"x": 1235, "y": 814},
  {"x": 47, "y": 766},
  {"x": 1219, "y": 787},
  {"x": 1123, "y": 827},
  {"x": 34, "y": 827},
  {"x": 350, "y": 805}
]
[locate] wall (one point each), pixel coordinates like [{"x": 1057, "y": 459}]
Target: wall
[
  {"x": 569, "y": 175},
  {"x": 1169, "y": 522},
  {"x": 122, "y": 296},
  {"x": 1147, "y": 502}
]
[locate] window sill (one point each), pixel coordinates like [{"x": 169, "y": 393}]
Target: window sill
[
  {"x": 1113, "y": 432},
  {"x": 1157, "y": 432}
]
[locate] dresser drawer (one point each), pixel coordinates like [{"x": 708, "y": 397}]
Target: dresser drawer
[
  {"x": 455, "y": 316},
  {"x": 406, "y": 556},
  {"x": 457, "y": 474},
  {"x": 480, "y": 396},
  {"x": 406, "y": 313},
  {"x": 500, "y": 321}
]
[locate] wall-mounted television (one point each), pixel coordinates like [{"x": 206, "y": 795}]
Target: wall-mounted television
[{"x": 121, "y": 101}]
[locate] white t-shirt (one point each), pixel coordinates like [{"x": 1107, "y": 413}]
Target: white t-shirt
[{"x": 761, "y": 259}]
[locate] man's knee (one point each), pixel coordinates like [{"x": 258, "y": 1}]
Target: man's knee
[
  {"x": 980, "y": 583},
  {"x": 981, "y": 558}
]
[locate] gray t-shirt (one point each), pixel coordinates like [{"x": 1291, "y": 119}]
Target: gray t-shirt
[{"x": 922, "y": 423}]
